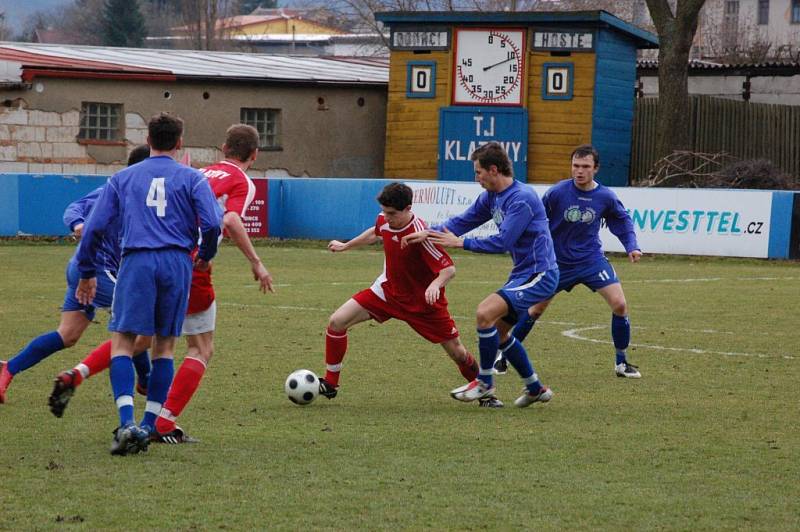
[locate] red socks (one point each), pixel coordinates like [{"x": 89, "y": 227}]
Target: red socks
[
  {"x": 186, "y": 381},
  {"x": 469, "y": 368},
  {"x": 335, "y": 348},
  {"x": 98, "y": 360}
]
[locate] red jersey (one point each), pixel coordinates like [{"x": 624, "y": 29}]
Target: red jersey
[
  {"x": 408, "y": 272},
  {"x": 234, "y": 192}
]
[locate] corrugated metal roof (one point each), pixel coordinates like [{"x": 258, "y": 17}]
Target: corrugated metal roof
[
  {"x": 198, "y": 64},
  {"x": 701, "y": 64}
]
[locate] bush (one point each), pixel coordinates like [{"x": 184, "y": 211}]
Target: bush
[{"x": 685, "y": 169}]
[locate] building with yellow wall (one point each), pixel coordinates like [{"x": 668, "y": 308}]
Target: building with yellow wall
[{"x": 540, "y": 83}]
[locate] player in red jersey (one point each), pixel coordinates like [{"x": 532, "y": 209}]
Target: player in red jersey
[
  {"x": 411, "y": 289},
  {"x": 234, "y": 191}
]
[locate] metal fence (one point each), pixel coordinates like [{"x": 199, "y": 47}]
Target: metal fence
[{"x": 740, "y": 129}]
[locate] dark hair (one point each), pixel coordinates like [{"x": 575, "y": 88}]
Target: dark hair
[
  {"x": 164, "y": 131},
  {"x": 138, "y": 154},
  {"x": 241, "y": 141},
  {"x": 492, "y": 153},
  {"x": 396, "y": 195},
  {"x": 584, "y": 150}
]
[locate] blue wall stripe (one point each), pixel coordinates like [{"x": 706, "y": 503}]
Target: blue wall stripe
[
  {"x": 322, "y": 208},
  {"x": 312, "y": 208},
  {"x": 612, "y": 121},
  {"x": 9, "y": 204},
  {"x": 780, "y": 225}
]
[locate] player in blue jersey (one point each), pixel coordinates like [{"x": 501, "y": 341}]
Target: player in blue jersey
[
  {"x": 576, "y": 207},
  {"x": 75, "y": 317},
  {"x": 523, "y": 232},
  {"x": 159, "y": 204}
]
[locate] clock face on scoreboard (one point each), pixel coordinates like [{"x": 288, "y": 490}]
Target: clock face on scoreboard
[{"x": 489, "y": 66}]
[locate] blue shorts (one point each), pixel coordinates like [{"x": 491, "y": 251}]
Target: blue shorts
[
  {"x": 152, "y": 292},
  {"x": 521, "y": 294},
  {"x": 595, "y": 275},
  {"x": 102, "y": 299}
]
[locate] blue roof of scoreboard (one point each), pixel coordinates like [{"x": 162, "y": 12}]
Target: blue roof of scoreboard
[{"x": 642, "y": 38}]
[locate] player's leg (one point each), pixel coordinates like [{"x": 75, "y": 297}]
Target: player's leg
[
  {"x": 98, "y": 360},
  {"x": 520, "y": 299},
  {"x": 521, "y": 331},
  {"x": 349, "y": 314},
  {"x": 136, "y": 310},
  {"x": 187, "y": 380},
  {"x": 73, "y": 324},
  {"x": 122, "y": 377},
  {"x": 173, "y": 276},
  {"x": 620, "y": 329},
  {"x": 489, "y": 312},
  {"x": 466, "y": 363}
]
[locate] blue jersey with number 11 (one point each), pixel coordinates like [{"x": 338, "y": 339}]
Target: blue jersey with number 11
[{"x": 160, "y": 204}]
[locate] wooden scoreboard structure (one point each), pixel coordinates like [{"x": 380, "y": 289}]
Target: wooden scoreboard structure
[{"x": 540, "y": 83}]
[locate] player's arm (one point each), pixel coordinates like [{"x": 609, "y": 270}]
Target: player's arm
[
  {"x": 433, "y": 291},
  {"x": 210, "y": 216},
  {"x": 236, "y": 230},
  {"x": 476, "y": 215},
  {"x": 620, "y": 224},
  {"x": 105, "y": 210},
  {"x": 364, "y": 239},
  {"x": 77, "y": 212},
  {"x": 516, "y": 220}
]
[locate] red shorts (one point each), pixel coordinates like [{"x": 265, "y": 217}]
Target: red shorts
[
  {"x": 436, "y": 326},
  {"x": 201, "y": 294}
]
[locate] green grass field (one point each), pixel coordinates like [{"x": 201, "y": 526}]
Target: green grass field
[{"x": 708, "y": 439}]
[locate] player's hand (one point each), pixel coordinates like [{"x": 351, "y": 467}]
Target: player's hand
[
  {"x": 414, "y": 238},
  {"x": 77, "y": 230},
  {"x": 263, "y": 277},
  {"x": 635, "y": 255},
  {"x": 87, "y": 288},
  {"x": 200, "y": 265},
  {"x": 335, "y": 246},
  {"x": 432, "y": 294},
  {"x": 446, "y": 239}
]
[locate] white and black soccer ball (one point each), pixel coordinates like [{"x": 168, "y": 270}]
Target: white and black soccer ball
[{"x": 302, "y": 387}]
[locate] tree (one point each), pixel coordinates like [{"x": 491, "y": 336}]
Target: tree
[
  {"x": 676, "y": 30},
  {"x": 123, "y": 24},
  {"x": 245, "y": 7},
  {"x": 202, "y": 19},
  {"x": 5, "y": 31}
]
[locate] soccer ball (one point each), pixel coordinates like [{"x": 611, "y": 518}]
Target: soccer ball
[{"x": 302, "y": 386}]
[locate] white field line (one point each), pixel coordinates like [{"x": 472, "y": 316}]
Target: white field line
[
  {"x": 624, "y": 282},
  {"x": 573, "y": 333}
]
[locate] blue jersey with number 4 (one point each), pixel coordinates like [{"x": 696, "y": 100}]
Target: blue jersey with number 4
[{"x": 159, "y": 203}]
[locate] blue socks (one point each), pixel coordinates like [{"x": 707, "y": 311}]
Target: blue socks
[
  {"x": 621, "y": 334},
  {"x": 488, "y": 343},
  {"x": 160, "y": 381},
  {"x": 517, "y": 356},
  {"x": 122, "y": 378},
  {"x": 141, "y": 363},
  {"x": 523, "y": 327},
  {"x": 37, "y": 350}
]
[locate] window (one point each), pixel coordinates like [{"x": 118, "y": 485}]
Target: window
[
  {"x": 763, "y": 12},
  {"x": 267, "y": 123},
  {"x": 732, "y": 7},
  {"x": 101, "y": 121},
  {"x": 795, "y": 11}
]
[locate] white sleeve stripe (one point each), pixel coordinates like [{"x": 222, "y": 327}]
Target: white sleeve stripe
[
  {"x": 435, "y": 253},
  {"x": 251, "y": 193},
  {"x": 432, "y": 250}
]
